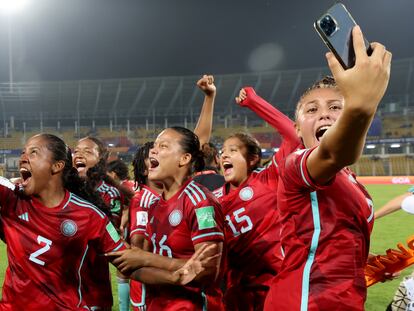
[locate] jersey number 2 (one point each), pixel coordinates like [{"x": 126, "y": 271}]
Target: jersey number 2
[
  {"x": 33, "y": 256},
  {"x": 239, "y": 219}
]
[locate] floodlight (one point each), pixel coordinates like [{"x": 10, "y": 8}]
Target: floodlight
[
  {"x": 395, "y": 146},
  {"x": 12, "y": 6},
  {"x": 370, "y": 146}
]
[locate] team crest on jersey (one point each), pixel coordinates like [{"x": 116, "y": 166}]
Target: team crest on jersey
[
  {"x": 246, "y": 193},
  {"x": 68, "y": 227},
  {"x": 175, "y": 217}
]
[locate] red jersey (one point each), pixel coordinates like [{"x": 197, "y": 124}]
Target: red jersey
[
  {"x": 252, "y": 236},
  {"x": 46, "y": 248},
  {"x": 138, "y": 219},
  {"x": 95, "y": 271},
  {"x": 111, "y": 197},
  {"x": 129, "y": 184},
  {"x": 325, "y": 237},
  {"x": 191, "y": 216}
]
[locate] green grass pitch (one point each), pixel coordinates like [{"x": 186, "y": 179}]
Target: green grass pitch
[{"x": 387, "y": 233}]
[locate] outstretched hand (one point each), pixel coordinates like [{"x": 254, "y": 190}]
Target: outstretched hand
[
  {"x": 196, "y": 264},
  {"x": 206, "y": 84},
  {"x": 363, "y": 85}
]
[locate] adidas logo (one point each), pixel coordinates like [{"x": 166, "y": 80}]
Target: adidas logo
[{"x": 24, "y": 216}]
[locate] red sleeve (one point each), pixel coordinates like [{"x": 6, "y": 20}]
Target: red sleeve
[
  {"x": 269, "y": 174},
  {"x": 295, "y": 172},
  {"x": 107, "y": 237},
  {"x": 138, "y": 217},
  {"x": 8, "y": 194},
  {"x": 271, "y": 115},
  {"x": 205, "y": 220}
]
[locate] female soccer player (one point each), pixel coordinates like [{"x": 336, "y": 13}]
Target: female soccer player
[
  {"x": 186, "y": 218},
  {"x": 147, "y": 191},
  {"x": 49, "y": 228},
  {"x": 249, "y": 203},
  {"x": 326, "y": 215},
  {"x": 90, "y": 159},
  {"x": 146, "y": 195}
]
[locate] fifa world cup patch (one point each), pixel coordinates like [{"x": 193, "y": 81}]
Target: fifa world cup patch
[
  {"x": 142, "y": 218},
  {"x": 112, "y": 232},
  {"x": 205, "y": 217}
]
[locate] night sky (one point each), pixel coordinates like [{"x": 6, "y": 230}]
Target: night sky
[{"x": 101, "y": 39}]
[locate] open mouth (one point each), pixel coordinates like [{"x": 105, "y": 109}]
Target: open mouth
[
  {"x": 227, "y": 167},
  {"x": 26, "y": 176},
  {"x": 321, "y": 131},
  {"x": 80, "y": 165},
  {"x": 154, "y": 163}
]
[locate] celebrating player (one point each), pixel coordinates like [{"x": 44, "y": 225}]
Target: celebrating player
[
  {"x": 90, "y": 157},
  {"x": 49, "y": 228},
  {"x": 249, "y": 203},
  {"x": 185, "y": 219},
  {"x": 147, "y": 194},
  {"x": 326, "y": 215}
]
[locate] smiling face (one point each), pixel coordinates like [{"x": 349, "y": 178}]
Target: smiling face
[
  {"x": 318, "y": 110},
  {"x": 36, "y": 166},
  {"x": 85, "y": 156},
  {"x": 166, "y": 158},
  {"x": 235, "y": 162}
]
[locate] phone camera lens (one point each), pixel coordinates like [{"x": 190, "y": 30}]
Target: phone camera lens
[{"x": 328, "y": 25}]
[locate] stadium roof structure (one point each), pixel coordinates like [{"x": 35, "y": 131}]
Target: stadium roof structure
[{"x": 155, "y": 99}]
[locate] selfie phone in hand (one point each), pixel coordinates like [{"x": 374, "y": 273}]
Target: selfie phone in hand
[{"x": 335, "y": 28}]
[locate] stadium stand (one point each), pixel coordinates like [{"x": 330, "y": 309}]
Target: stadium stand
[{"x": 128, "y": 112}]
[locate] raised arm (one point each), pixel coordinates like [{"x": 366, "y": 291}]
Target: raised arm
[
  {"x": 362, "y": 87},
  {"x": 204, "y": 125},
  {"x": 280, "y": 122}
]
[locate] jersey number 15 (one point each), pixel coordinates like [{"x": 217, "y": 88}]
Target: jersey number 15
[{"x": 247, "y": 222}]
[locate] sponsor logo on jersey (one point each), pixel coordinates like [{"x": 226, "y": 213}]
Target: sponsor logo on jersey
[
  {"x": 205, "y": 217},
  {"x": 246, "y": 193},
  {"x": 24, "y": 216},
  {"x": 112, "y": 232},
  {"x": 175, "y": 217},
  {"x": 68, "y": 227}
]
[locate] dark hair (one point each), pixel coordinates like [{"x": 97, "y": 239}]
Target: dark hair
[
  {"x": 98, "y": 172},
  {"x": 252, "y": 146},
  {"x": 70, "y": 178},
  {"x": 139, "y": 163},
  {"x": 210, "y": 153},
  {"x": 324, "y": 83},
  {"x": 102, "y": 150},
  {"x": 190, "y": 144},
  {"x": 119, "y": 168}
]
